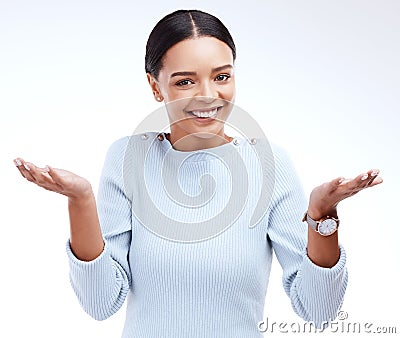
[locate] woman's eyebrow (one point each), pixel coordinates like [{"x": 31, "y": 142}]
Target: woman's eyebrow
[
  {"x": 186, "y": 73},
  {"x": 182, "y": 74},
  {"x": 222, "y": 68}
]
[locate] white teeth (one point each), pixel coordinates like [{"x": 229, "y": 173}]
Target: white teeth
[{"x": 205, "y": 113}]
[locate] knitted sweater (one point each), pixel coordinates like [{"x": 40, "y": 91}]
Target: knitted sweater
[{"x": 181, "y": 285}]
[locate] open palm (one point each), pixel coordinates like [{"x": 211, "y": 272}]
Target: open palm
[
  {"x": 58, "y": 180},
  {"x": 325, "y": 198}
]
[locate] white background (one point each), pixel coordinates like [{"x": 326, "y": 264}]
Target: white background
[{"x": 321, "y": 78}]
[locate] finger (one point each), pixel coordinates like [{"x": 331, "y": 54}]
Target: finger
[
  {"x": 25, "y": 170},
  {"x": 369, "y": 177},
  {"x": 18, "y": 164},
  {"x": 55, "y": 176},
  {"x": 17, "y": 161},
  {"x": 333, "y": 185},
  {"x": 353, "y": 186},
  {"x": 363, "y": 181},
  {"x": 344, "y": 181},
  {"x": 56, "y": 179},
  {"x": 373, "y": 174},
  {"x": 376, "y": 181},
  {"x": 40, "y": 175}
]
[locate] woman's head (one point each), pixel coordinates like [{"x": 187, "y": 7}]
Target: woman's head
[{"x": 190, "y": 55}]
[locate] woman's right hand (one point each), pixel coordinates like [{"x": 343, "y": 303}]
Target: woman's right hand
[{"x": 58, "y": 180}]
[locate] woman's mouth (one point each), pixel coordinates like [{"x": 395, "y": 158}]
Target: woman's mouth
[{"x": 204, "y": 115}]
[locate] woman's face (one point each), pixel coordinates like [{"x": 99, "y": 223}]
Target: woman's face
[{"x": 197, "y": 78}]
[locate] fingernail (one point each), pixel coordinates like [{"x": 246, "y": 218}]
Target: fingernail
[
  {"x": 46, "y": 168},
  {"x": 27, "y": 167},
  {"x": 375, "y": 172},
  {"x": 341, "y": 180},
  {"x": 17, "y": 162},
  {"x": 364, "y": 177}
]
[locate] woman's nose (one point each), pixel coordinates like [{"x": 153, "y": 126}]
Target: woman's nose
[{"x": 207, "y": 93}]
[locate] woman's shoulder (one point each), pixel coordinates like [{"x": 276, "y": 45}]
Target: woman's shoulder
[
  {"x": 283, "y": 163},
  {"x": 130, "y": 144},
  {"x": 123, "y": 142},
  {"x": 118, "y": 146},
  {"x": 280, "y": 153}
]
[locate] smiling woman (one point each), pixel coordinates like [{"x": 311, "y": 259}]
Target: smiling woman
[
  {"x": 152, "y": 241},
  {"x": 200, "y": 68}
]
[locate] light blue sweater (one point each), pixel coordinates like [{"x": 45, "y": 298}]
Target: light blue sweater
[{"x": 213, "y": 287}]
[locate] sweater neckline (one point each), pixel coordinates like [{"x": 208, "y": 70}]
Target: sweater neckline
[{"x": 206, "y": 154}]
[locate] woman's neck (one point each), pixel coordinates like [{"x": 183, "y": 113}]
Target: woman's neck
[{"x": 193, "y": 142}]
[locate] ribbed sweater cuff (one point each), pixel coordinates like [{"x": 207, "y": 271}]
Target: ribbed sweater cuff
[
  {"x": 316, "y": 270},
  {"x": 74, "y": 261},
  {"x": 101, "y": 288},
  {"x": 321, "y": 290}
]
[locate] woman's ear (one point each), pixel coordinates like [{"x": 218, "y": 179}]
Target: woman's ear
[{"x": 154, "y": 87}]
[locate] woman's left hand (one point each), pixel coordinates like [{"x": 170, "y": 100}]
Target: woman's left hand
[{"x": 325, "y": 198}]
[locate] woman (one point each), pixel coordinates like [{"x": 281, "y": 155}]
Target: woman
[{"x": 205, "y": 288}]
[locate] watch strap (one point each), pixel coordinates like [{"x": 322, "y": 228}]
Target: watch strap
[{"x": 311, "y": 222}]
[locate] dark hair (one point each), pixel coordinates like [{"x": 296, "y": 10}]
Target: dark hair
[{"x": 178, "y": 26}]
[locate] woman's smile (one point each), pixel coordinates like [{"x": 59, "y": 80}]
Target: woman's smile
[{"x": 204, "y": 115}]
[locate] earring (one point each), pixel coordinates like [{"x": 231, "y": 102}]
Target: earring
[{"x": 158, "y": 98}]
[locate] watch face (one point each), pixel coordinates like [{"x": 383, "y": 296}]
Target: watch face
[{"x": 327, "y": 227}]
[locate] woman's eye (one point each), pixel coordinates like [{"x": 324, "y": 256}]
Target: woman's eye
[
  {"x": 183, "y": 83},
  {"x": 222, "y": 77}
]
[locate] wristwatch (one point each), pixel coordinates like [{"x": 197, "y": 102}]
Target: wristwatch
[{"x": 325, "y": 226}]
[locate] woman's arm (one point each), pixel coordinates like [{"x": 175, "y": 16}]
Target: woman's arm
[
  {"x": 316, "y": 292},
  {"x": 100, "y": 231},
  {"x": 324, "y": 250},
  {"x": 86, "y": 239}
]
